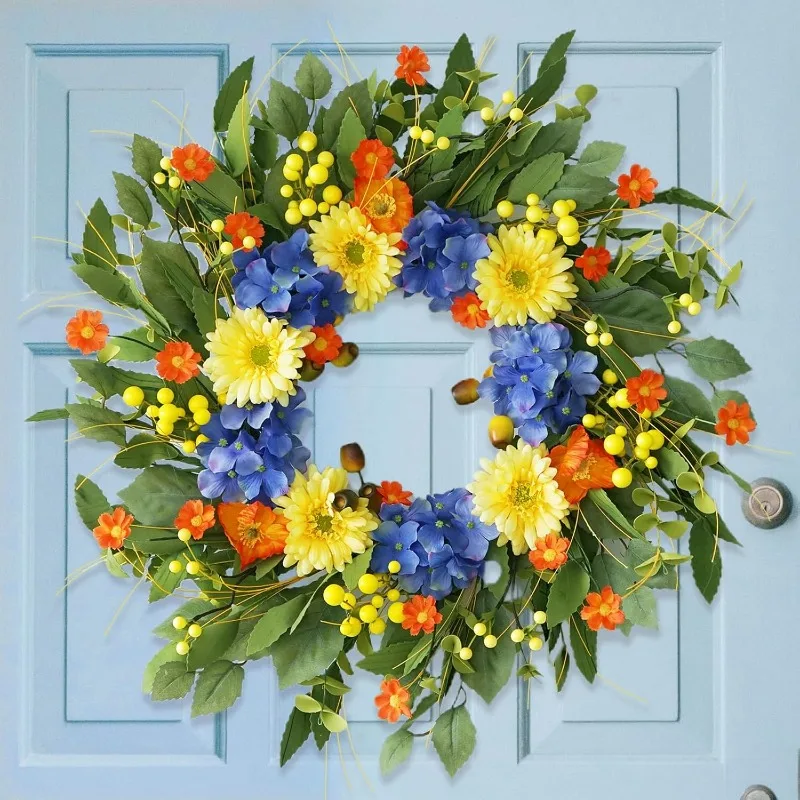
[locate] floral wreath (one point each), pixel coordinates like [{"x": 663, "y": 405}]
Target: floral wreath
[{"x": 312, "y": 212}]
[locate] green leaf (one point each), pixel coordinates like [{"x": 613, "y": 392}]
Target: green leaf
[
  {"x": 350, "y": 135},
  {"x": 297, "y": 730},
  {"x": 674, "y": 528},
  {"x": 99, "y": 242},
  {"x": 177, "y": 264},
  {"x": 601, "y": 158},
  {"x": 158, "y": 258},
  {"x": 98, "y": 423},
  {"x": 538, "y": 177},
  {"x": 146, "y": 157},
  {"x": 217, "y": 637},
  {"x": 454, "y": 738},
  {"x": 220, "y": 191},
  {"x": 561, "y": 667},
  {"x": 581, "y": 185},
  {"x": 90, "y": 501},
  {"x": 218, "y": 688},
  {"x": 163, "y": 582},
  {"x": 671, "y": 464},
  {"x": 493, "y": 667},
  {"x": 142, "y": 450},
  {"x": 557, "y": 137},
  {"x": 307, "y": 704},
  {"x": 605, "y": 505},
  {"x": 206, "y": 310},
  {"x": 461, "y": 58},
  {"x": 715, "y": 359},
  {"x": 274, "y": 624},
  {"x": 687, "y": 401},
  {"x": 585, "y": 93},
  {"x": 549, "y": 76},
  {"x": 583, "y": 641},
  {"x": 287, "y": 111},
  {"x": 312, "y": 78},
  {"x": 140, "y": 344},
  {"x": 172, "y": 681},
  {"x": 133, "y": 199},
  {"x": 333, "y": 721},
  {"x": 48, "y": 414},
  {"x": 356, "y": 568},
  {"x": 237, "y": 142},
  {"x": 164, "y": 655},
  {"x": 156, "y": 495},
  {"x": 391, "y": 659},
  {"x": 449, "y": 125},
  {"x": 355, "y": 96},
  {"x": 640, "y": 608},
  {"x": 395, "y": 750},
  {"x": 265, "y": 147},
  {"x": 682, "y": 197},
  {"x": 567, "y": 592},
  {"x": 231, "y": 93},
  {"x": 310, "y": 649}
]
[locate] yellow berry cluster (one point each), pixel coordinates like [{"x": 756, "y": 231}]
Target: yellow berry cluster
[
  {"x": 566, "y": 225},
  {"x": 167, "y": 176},
  {"x": 605, "y": 338},
  {"x": 375, "y": 591},
  {"x": 304, "y": 186},
  {"x": 615, "y": 444},
  {"x": 531, "y": 632},
  {"x": 167, "y": 413},
  {"x": 226, "y": 248},
  {"x": 427, "y": 137},
  {"x": 692, "y": 308},
  {"x": 515, "y": 113},
  {"x": 193, "y": 631}
]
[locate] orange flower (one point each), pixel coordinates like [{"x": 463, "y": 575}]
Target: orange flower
[
  {"x": 86, "y": 331},
  {"x": 196, "y": 517},
  {"x": 734, "y": 422},
  {"x": 240, "y": 226},
  {"x": 254, "y": 530},
  {"x": 392, "y": 492},
  {"x": 582, "y": 464},
  {"x": 393, "y": 700},
  {"x": 192, "y": 163},
  {"x": 412, "y": 62},
  {"x": 467, "y": 311},
  {"x": 113, "y": 529},
  {"x": 420, "y": 614},
  {"x": 177, "y": 362},
  {"x": 372, "y": 159},
  {"x": 325, "y": 347},
  {"x": 594, "y": 263},
  {"x": 637, "y": 186},
  {"x": 646, "y": 392},
  {"x": 602, "y": 610},
  {"x": 550, "y": 552},
  {"x": 386, "y": 203}
]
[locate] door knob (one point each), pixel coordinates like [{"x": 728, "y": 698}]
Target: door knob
[
  {"x": 759, "y": 793},
  {"x": 768, "y": 505}
]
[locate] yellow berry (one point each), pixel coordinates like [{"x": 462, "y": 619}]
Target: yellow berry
[
  {"x": 164, "y": 428},
  {"x": 307, "y": 141},
  {"x": 442, "y": 143},
  {"x": 505, "y": 209},
  {"x": 226, "y": 248},
  {"x": 333, "y": 594},
  {"x": 651, "y": 462},
  {"x": 610, "y": 377},
  {"x": 182, "y": 648},
  {"x": 487, "y": 113},
  {"x": 201, "y": 438},
  {"x": 396, "y": 613},
  {"x": 318, "y": 174},
  {"x": 193, "y": 567},
  {"x": 599, "y": 420},
  {"x": 394, "y": 567},
  {"x": 392, "y": 595},
  {"x": 694, "y": 309},
  {"x": 195, "y": 631},
  {"x": 589, "y": 421},
  {"x": 567, "y": 226},
  {"x": 290, "y": 174},
  {"x": 152, "y": 411},
  {"x": 561, "y": 208},
  {"x": 323, "y": 207},
  {"x": 516, "y": 114},
  {"x": 377, "y": 627},
  {"x": 534, "y": 214},
  {"x": 197, "y": 401},
  {"x": 646, "y": 414},
  {"x": 532, "y": 199},
  {"x": 508, "y": 97},
  {"x": 217, "y": 225},
  {"x": 621, "y": 477},
  {"x": 612, "y": 402},
  {"x": 294, "y": 161},
  {"x": 348, "y": 601},
  {"x": 188, "y": 446},
  {"x": 308, "y": 207},
  {"x": 490, "y": 641},
  {"x": 479, "y": 628},
  {"x": 133, "y": 396},
  {"x": 571, "y": 240},
  {"x": 368, "y": 584},
  {"x": 286, "y": 190},
  {"x": 621, "y": 397},
  {"x": 368, "y": 613},
  {"x": 415, "y": 132},
  {"x": 590, "y": 326},
  {"x": 621, "y": 430},
  {"x": 165, "y": 395},
  {"x": 613, "y": 444},
  {"x": 184, "y": 534},
  {"x": 174, "y": 182},
  {"x": 346, "y": 628},
  {"x": 326, "y": 159},
  {"x": 248, "y": 243},
  {"x": 572, "y": 204},
  {"x": 427, "y": 137},
  {"x": 656, "y": 439},
  {"x": 517, "y": 635},
  {"x": 159, "y": 179},
  {"x": 539, "y": 617},
  {"x": 547, "y": 235},
  {"x": 202, "y": 417},
  {"x": 165, "y": 164},
  {"x": 606, "y": 339},
  {"x": 685, "y": 300},
  {"x": 168, "y": 413},
  {"x": 332, "y": 195},
  {"x": 175, "y": 567},
  {"x": 641, "y": 452},
  {"x": 674, "y": 327},
  {"x": 535, "y": 643},
  {"x": 526, "y": 226},
  {"x": 377, "y": 601},
  {"x": 644, "y": 439},
  {"x": 293, "y": 216},
  {"x": 465, "y": 653},
  {"x": 293, "y": 204},
  {"x": 179, "y": 623},
  {"x": 592, "y": 340}
]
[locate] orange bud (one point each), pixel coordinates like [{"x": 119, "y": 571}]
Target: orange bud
[
  {"x": 466, "y": 391},
  {"x": 346, "y": 498},
  {"x": 501, "y": 431},
  {"x": 352, "y": 457}
]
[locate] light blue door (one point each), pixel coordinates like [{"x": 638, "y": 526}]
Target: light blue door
[{"x": 704, "y": 708}]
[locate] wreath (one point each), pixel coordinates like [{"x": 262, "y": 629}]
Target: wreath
[{"x": 233, "y": 292}]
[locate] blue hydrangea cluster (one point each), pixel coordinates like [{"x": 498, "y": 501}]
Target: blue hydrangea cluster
[
  {"x": 537, "y": 380},
  {"x": 439, "y": 543},
  {"x": 443, "y": 246},
  {"x": 252, "y": 453},
  {"x": 284, "y": 280}
]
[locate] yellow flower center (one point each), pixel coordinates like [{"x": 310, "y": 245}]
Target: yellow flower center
[
  {"x": 634, "y": 185},
  {"x": 251, "y": 533},
  {"x": 733, "y": 424},
  {"x": 87, "y": 332},
  {"x": 189, "y": 164},
  {"x": 644, "y": 391},
  {"x": 354, "y": 252},
  {"x": 522, "y": 494},
  {"x": 605, "y": 609},
  {"x": 116, "y": 532},
  {"x": 394, "y": 701},
  {"x": 177, "y": 361},
  {"x": 472, "y": 309},
  {"x": 242, "y": 232},
  {"x": 549, "y": 555},
  {"x": 381, "y": 205},
  {"x": 422, "y": 617},
  {"x": 324, "y": 522},
  {"x": 519, "y": 279},
  {"x": 584, "y": 471},
  {"x": 320, "y": 343},
  {"x": 262, "y": 356},
  {"x": 197, "y": 521}
]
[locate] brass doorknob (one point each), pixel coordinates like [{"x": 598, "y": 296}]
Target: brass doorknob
[
  {"x": 759, "y": 792},
  {"x": 768, "y": 505}
]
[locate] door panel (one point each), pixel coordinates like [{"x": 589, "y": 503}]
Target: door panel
[{"x": 703, "y": 707}]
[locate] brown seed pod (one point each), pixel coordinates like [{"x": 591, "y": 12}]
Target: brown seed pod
[
  {"x": 346, "y": 498},
  {"x": 501, "y": 431},
  {"x": 347, "y": 355},
  {"x": 352, "y": 457},
  {"x": 466, "y": 391},
  {"x": 310, "y": 371},
  {"x": 370, "y": 491}
]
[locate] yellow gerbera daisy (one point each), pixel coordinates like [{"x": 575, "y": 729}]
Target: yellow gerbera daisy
[
  {"x": 255, "y": 359},
  {"x": 344, "y": 241},
  {"x": 321, "y": 536},
  {"x": 518, "y": 494},
  {"x": 524, "y": 276}
]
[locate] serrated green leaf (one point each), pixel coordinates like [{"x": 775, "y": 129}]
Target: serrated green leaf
[
  {"x": 454, "y": 738},
  {"x": 561, "y": 667},
  {"x": 218, "y": 688},
  {"x": 133, "y": 199},
  {"x": 687, "y": 401},
  {"x": 583, "y": 641},
  {"x": 567, "y": 592},
  {"x": 601, "y": 158},
  {"x": 172, "y": 681},
  {"x": 287, "y": 111},
  {"x": 297, "y": 730},
  {"x": 493, "y": 666},
  {"x": 356, "y": 97},
  {"x": 706, "y": 558},
  {"x": 274, "y": 624},
  {"x": 313, "y": 78},
  {"x": 715, "y": 359},
  {"x": 165, "y": 654},
  {"x": 231, "y": 93},
  {"x": 98, "y": 423},
  {"x": 671, "y": 464},
  {"x": 156, "y": 495},
  {"x": 90, "y": 501},
  {"x": 99, "y": 242},
  {"x": 356, "y": 568},
  {"x": 395, "y": 750},
  {"x": 48, "y": 414},
  {"x": 683, "y": 197},
  {"x": 581, "y": 185},
  {"x": 237, "y": 142},
  {"x": 142, "y": 450},
  {"x": 136, "y": 345},
  {"x": 351, "y": 133},
  {"x": 146, "y": 157},
  {"x": 549, "y": 76},
  {"x": 557, "y": 137},
  {"x": 537, "y": 177}
]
